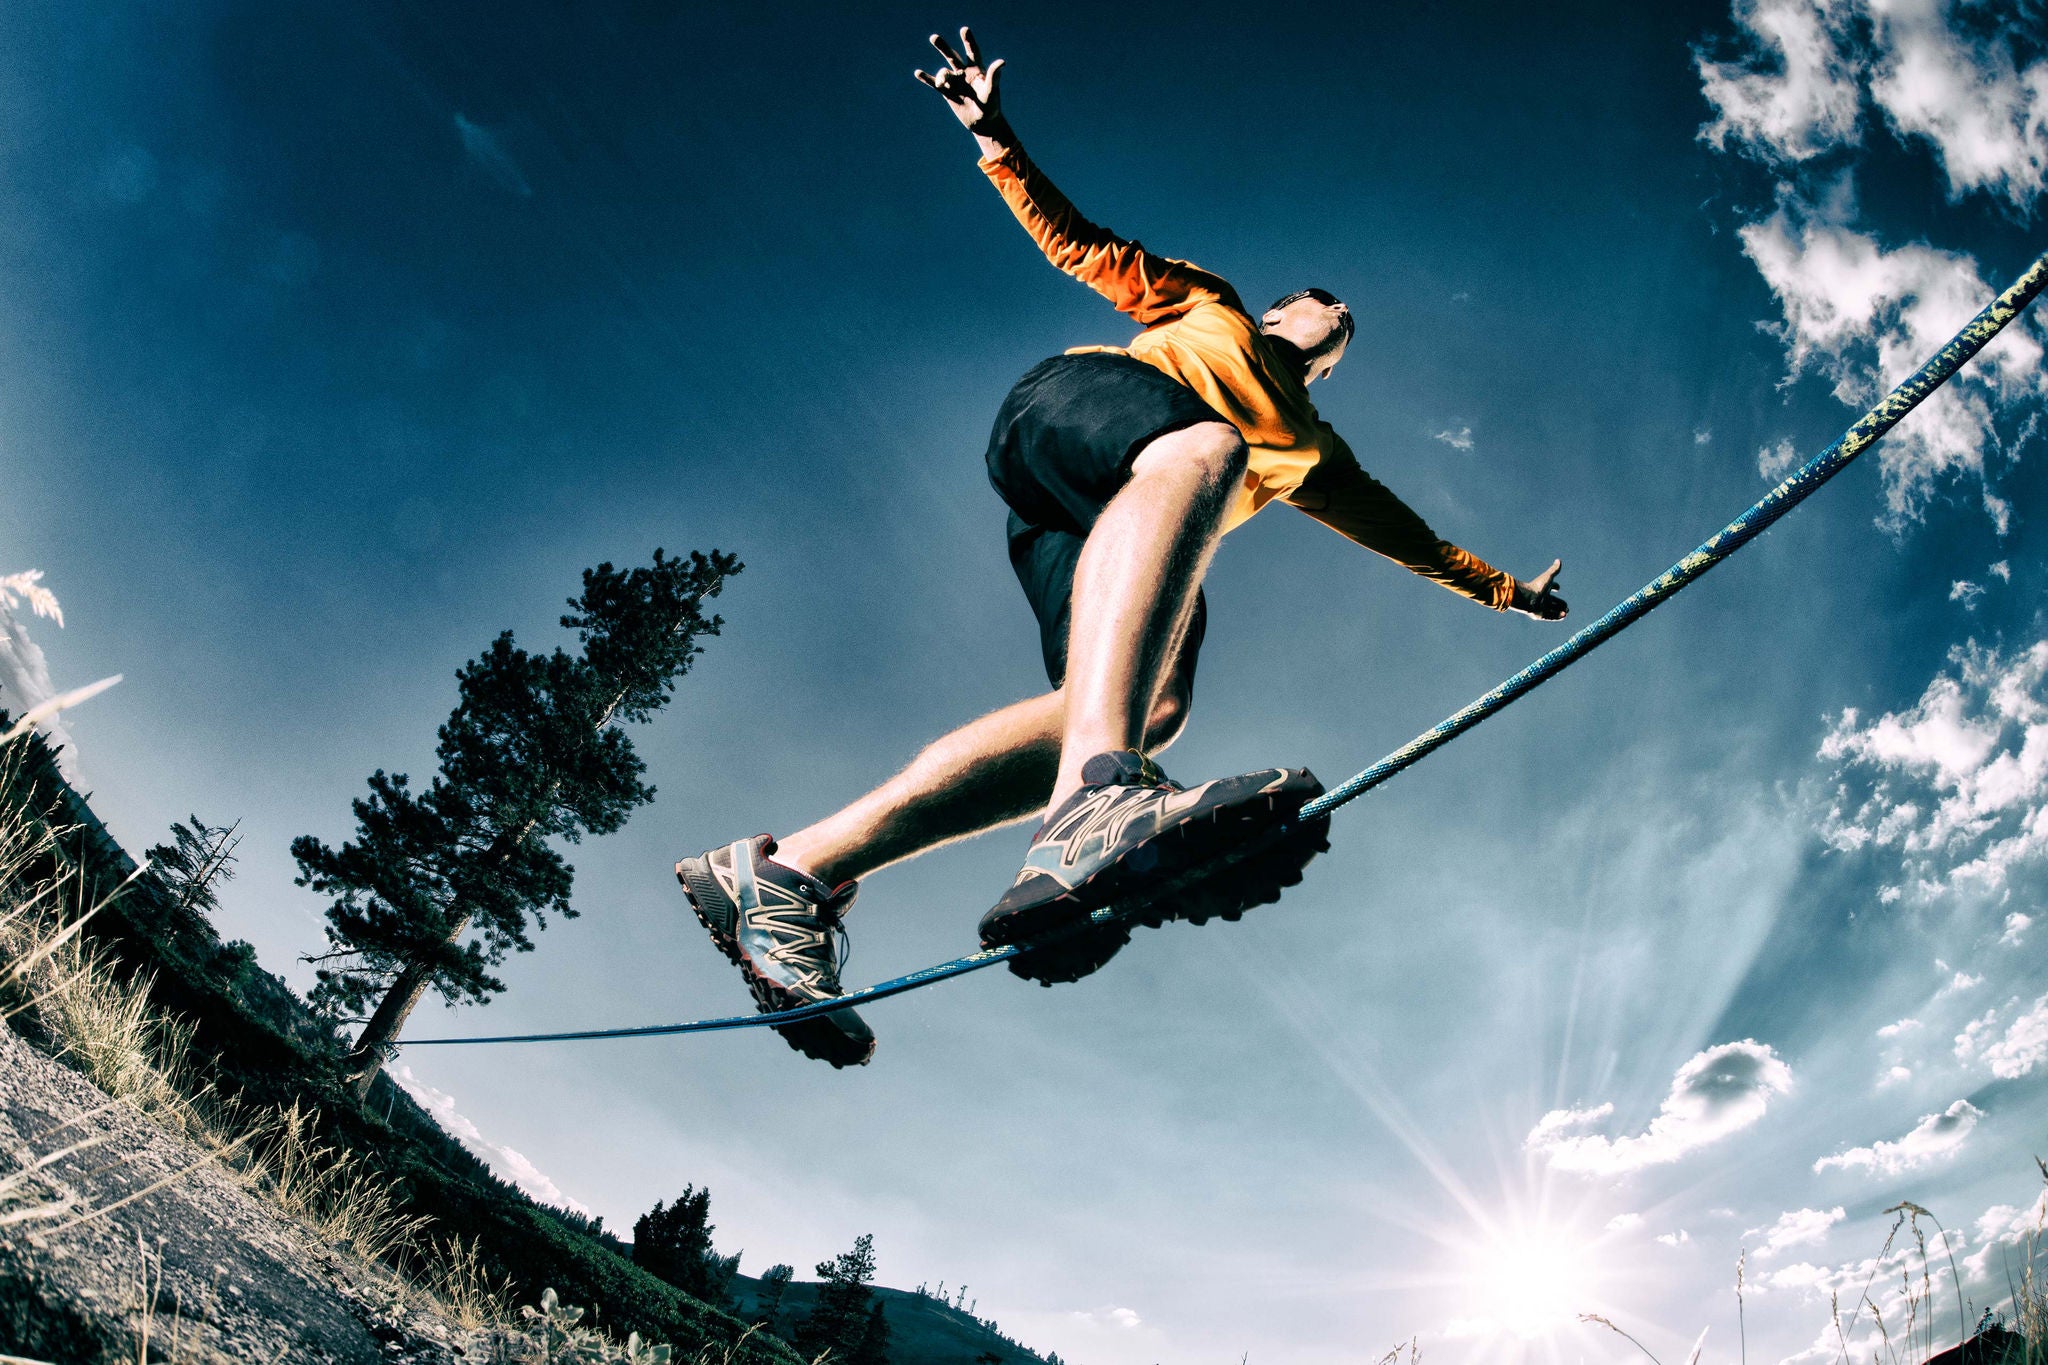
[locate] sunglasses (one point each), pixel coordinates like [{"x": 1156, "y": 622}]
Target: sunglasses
[{"x": 1322, "y": 296}]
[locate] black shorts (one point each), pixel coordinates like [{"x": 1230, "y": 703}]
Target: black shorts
[{"x": 1062, "y": 446}]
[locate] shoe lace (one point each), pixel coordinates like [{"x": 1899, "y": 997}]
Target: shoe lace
[{"x": 832, "y": 918}]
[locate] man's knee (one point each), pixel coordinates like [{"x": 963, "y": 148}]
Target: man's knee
[
  {"x": 1216, "y": 448},
  {"x": 1169, "y": 717}
]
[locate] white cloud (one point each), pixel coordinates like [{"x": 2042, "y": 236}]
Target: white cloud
[
  {"x": 2015, "y": 926},
  {"x": 1960, "y": 982},
  {"x": 1675, "y": 1239},
  {"x": 2006, "y": 1225},
  {"x": 1894, "y": 1030},
  {"x": 2002, "y": 571},
  {"x": 1965, "y": 592},
  {"x": 507, "y": 1163},
  {"x": 2024, "y": 1046},
  {"x": 1717, "y": 1093},
  {"x": 1625, "y": 1222},
  {"x": 1862, "y": 317},
  {"x": 1801, "y": 69},
  {"x": 1941, "y": 75},
  {"x": 1793, "y": 92},
  {"x": 1893, "y": 1075},
  {"x": 1801, "y": 1227},
  {"x": 1971, "y": 1040},
  {"x": 1800, "y": 1275},
  {"x": 1124, "y": 1318},
  {"x": 1985, "y": 119},
  {"x": 1461, "y": 439},
  {"x": 2014, "y": 1053},
  {"x": 1935, "y": 1136},
  {"x": 1958, "y": 783},
  {"x": 25, "y": 683},
  {"x": 1702, "y": 436},
  {"x": 1774, "y": 462}
]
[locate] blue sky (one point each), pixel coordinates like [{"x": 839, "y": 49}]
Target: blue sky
[{"x": 336, "y": 341}]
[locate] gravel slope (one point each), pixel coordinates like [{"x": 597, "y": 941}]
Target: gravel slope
[{"x": 234, "y": 1279}]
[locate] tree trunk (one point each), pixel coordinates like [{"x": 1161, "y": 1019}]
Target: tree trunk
[{"x": 366, "y": 1058}]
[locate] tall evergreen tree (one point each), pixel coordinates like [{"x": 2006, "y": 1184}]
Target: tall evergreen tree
[
  {"x": 194, "y": 864},
  {"x": 674, "y": 1244},
  {"x": 439, "y": 884},
  {"x": 839, "y": 1319},
  {"x": 768, "y": 1307},
  {"x": 873, "y": 1348}
]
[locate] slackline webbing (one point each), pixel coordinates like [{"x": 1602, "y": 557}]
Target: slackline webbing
[{"x": 1794, "y": 490}]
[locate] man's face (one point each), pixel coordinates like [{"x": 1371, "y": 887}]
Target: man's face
[{"x": 1314, "y": 326}]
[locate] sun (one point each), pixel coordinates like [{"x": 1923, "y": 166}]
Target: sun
[{"x": 1531, "y": 1281}]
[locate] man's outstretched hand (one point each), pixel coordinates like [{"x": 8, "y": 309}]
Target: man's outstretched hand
[
  {"x": 968, "y": 87},
  {"x": 1533, "y": 597}
]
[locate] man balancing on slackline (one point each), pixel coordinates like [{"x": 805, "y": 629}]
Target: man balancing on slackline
[{"x": 1121, "y": 468}]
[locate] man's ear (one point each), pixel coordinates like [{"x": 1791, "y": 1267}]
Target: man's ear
[{"x": 1271, "y": 318}]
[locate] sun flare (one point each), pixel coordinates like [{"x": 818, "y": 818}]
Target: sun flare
[{"x": 1533, "y": 1281}]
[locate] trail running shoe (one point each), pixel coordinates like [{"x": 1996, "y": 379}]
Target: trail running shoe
[
  {"x": 1132, "y": 838},
  {"x": 784, "y": 931}
]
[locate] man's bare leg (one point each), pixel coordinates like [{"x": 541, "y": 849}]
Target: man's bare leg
[
  {"x": 1135, "y": 587},
  {"x": 989, "y": 772},
  {"x": 1134, "y": 593}
]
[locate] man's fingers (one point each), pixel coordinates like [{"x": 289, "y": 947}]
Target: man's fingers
[
  {"x": 994, "y": 70},
  {"x": 926, "y": 77},
  {"x": 969, "y": 46},
  {"x": 952, "y": 57}
]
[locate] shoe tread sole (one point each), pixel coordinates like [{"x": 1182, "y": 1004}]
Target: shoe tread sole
[
  {"x": 1168, "y": 853},
  {"x": 1252, "y": 868}
]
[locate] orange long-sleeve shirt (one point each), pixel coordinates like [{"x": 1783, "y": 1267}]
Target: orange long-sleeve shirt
[{"x": 1198, "y": 331}]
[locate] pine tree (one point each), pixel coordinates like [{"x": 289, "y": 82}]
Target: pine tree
[
  {"x": 774, "y": 1283},
  {"x": 673, "y": 1243},
  {"x": 196, "y": 861},
  {"x": 839, "y": 1319},
  {"x": 874, "y": 1339},
  {"x": 532, "y": 752}
]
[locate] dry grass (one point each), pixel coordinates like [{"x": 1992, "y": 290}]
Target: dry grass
[
  {"x": 110, "y": 1030},
  {"x": 108, "y": 1027},
  {"x": 333, "y": 1192},
  {"x": 27, "y": 586},
  {"x": 1916, "y": 1330},
  {"x": 455, "y": 1274},
  {"x": 2029, "y": 1315}
]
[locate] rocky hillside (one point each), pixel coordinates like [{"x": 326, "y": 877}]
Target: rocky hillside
[
  {"x": 140, "y": 1237},
  {"x": 115, "y": 1229}
]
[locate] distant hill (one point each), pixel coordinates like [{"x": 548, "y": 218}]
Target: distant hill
[{"x": 922, "y": 1331}]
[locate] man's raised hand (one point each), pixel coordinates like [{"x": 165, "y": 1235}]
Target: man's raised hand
[
  {"x": 968, "y": 87},
  {"x": 1533, "y": 597}
]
